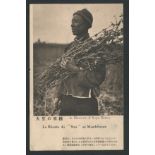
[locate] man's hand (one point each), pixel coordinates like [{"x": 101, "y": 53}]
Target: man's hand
[
  {"x": 98, "y": 61},
  {"x": 69, "y": 64}
]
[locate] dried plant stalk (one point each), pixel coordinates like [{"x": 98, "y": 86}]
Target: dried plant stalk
[{"x": 107, "y": 45}]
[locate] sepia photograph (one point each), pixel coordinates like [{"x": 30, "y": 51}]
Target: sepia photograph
[
  {"x": 76, "y": 76},
  {"x": 77, "y": 59}
]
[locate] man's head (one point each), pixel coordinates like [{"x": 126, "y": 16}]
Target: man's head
[{"x": 81, "y": 22}]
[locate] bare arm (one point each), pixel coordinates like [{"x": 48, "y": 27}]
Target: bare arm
[{"x": 87, "y": 78}]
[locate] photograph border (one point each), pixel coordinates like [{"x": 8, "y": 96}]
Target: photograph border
[{"x": 125, "y": 80}]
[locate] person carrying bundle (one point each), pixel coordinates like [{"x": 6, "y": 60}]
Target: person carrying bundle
[{"x": 78, "y": 92}]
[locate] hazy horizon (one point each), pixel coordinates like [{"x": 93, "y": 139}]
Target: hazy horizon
[{"x": 51, "y": 22}]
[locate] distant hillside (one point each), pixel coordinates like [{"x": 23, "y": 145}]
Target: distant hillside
[{"x": 46, "y": 53}]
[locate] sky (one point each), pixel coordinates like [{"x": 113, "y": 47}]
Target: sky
[{"x": 51, "y": 22}]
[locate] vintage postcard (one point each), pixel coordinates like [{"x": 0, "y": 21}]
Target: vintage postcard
[{"x": 76, "y": 77}]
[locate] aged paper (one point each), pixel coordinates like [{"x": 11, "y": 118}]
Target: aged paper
[
  {"x": 77, "y": 133},
  {"x": 51, "y": 131}
]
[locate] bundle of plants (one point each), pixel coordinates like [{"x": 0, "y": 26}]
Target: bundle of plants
[{"x": 106, "y": 45}]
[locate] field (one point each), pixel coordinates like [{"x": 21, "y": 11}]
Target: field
[{"x": 111, "y": 97}]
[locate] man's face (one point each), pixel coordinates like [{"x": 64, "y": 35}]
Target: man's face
[{"x": 78, "y": 25}]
